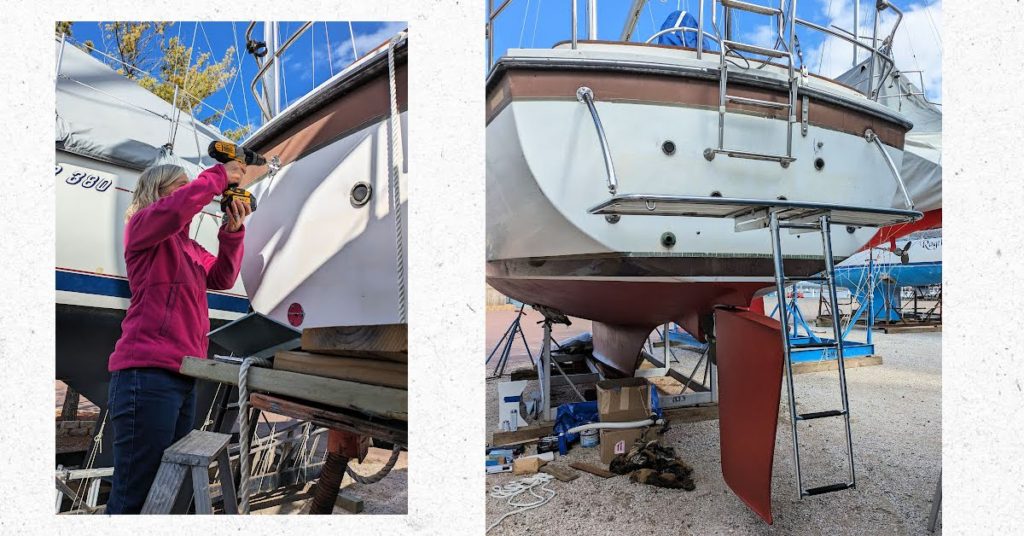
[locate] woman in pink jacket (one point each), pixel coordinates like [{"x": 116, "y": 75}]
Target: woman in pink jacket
[{"x": 151, "y": 404}]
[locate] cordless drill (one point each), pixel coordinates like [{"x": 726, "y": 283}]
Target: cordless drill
[{"x": 224, "y": 152}]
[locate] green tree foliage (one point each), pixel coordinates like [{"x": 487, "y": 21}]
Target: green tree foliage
[{"x": 64, "y": 27}]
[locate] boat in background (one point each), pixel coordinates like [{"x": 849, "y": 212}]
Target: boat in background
[{"x": 108, "y": 129}]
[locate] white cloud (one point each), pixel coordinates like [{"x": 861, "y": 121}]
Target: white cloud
[
  {"x": 916, "y": 46},
  {"x": 342, "y": 53}
]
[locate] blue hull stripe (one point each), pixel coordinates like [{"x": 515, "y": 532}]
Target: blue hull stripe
[{"x": 118, "y": 288}]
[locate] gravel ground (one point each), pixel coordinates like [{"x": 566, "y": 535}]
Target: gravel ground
[{"x": 896, "y": 422}]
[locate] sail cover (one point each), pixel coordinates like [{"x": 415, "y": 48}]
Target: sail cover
[
  {"x": 105, "y": 116},
  {"x": 922, "y": 155}
]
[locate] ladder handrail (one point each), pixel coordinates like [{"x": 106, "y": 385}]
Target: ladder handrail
[{"x": 585, "y": 95}]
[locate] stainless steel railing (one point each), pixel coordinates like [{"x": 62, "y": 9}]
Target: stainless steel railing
[{"x": 881, "y": 62}]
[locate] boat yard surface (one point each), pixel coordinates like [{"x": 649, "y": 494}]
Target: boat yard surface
[{"x": 896, "y": 421}]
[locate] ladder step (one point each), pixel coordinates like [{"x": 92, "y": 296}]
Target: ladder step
[
  {"x": 820, "y": 415},
  {"x": 793, "y": 225},
  {"x": 757, "y": 102},
  {"x": 753, "y": 8},
  {"x": 754, "y": 49},
  {"x": 827, "y": 489},
  {"x": 802, "y": 346},
  {"x": 755, "y": 156}
]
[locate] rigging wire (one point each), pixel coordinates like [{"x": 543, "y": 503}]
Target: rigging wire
[
  {"x": 522, "y": 30},
  {"x": 245, "y": 100},
  {"x": 536, "y": 18},
  {"x": 352, "y": 36},
  {"x": 330, "y": 57}
]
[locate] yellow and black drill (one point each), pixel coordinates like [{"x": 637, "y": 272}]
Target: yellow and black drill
[{"x": 224, "y": 152}]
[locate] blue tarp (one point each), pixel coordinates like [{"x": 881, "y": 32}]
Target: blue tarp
[
  {"x": 681, "y": 38},
  {"x": 578, "y": 413}
]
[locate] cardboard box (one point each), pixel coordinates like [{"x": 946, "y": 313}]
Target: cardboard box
[
  {"x": 615, "y": 442},
  {"x": 627, "y": 399}
]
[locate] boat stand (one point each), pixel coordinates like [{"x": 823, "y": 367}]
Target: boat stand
[
  {"x": 695, "y": 392},
  {"x": 505, "y": 343}
]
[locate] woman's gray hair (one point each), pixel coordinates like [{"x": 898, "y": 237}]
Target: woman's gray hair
[{"x": 151, "y": 182}]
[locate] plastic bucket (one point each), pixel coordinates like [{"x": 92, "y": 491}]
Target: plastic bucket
[{"x": 588, "y": 438}]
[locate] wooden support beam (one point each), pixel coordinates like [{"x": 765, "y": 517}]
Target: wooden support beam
[
  {"x": 69, "y": 410},
  {"x": 522, "y": 435},
  {"x": 592, "y": 469},
  {"x": 386, "y": 341},
  {"x": 369, "y": 399},
  {"x": 831, "y": 364},
  {"x": 328, "y": 418},
  {"x": 692, "y": 414},
  {"x": 385, "y": 373}
]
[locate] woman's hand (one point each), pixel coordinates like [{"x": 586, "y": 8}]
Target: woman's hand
[
  {"x": 236, "y": 213},
  {"x": 235, "y": 170}
]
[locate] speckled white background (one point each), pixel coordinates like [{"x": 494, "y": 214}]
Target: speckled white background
[
  {"x": 446, "y": 284},
  {"x": 983, "y": 388}
]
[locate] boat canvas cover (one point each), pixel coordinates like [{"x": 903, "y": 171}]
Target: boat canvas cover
[
  {"x": 922, "y": 155},
  {"x": 682, "y": 19},
  {"x": 105, "y": 116}
]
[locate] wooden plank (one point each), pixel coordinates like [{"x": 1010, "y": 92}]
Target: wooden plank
[
  {"x": 831, "y": 364},
  {"x": 592, "y": 469},
  {"x": 693, "y": 414},
  {"x": 369, "y": 399},
  {"x": 911, "y": 328},
  {"x": 561, "y": 473},
  {"x": 329, "y": 419},
  {"x": 385, "y": 341},
  {"x": 524, "y": 434},
  {"x": 349, "y": 502},
  {"x": 227, "y": 484},
  {"x": 386, "y": 373}
]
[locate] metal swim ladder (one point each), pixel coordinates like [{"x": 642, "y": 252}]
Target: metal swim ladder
[
  {"x": 724, "y": 98},
  {"x": 828, "y": 280}
]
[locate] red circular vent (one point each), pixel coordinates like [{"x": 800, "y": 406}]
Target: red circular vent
[{"x": 295, "y": 314}]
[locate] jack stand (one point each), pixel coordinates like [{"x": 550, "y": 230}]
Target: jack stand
[
  {"x": 506, "y": 344},
  {"x": 544, "y": 369},
  {"x": 342, "y": 446}
]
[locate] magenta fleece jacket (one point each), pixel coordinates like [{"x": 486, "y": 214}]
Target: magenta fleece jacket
[{"x": 168, "y": 274}]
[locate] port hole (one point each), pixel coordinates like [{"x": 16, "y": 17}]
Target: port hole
[
  {"x": 716, "y": 193},
  {"x": 668, "y": 239},
  {"x": 819, "y": 164},
  {"x": 668, "y": 148}
]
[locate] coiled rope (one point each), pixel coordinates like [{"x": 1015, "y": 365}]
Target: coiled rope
[
  {"x": 394, "y": 162},
  {"x": 515, "y": 488},
  {"x": 243, "y": 428}
]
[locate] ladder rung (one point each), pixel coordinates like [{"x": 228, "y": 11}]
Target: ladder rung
[
  {"x": 755, "y": 156},
  {"x": 812, "y": 345},
  {"x": 754, "y": 49},
  {"x": 820, "y": 415},
  {"x": 808, "y": 279},
  {"x": 791, "y": 225},
  {"x": 757, "y": 102},
  {"x": 753, "y": 8},
  {"x": 827, "y": 489}
]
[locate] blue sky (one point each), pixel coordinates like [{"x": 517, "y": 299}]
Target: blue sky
[
  {"x": 917, "y": 45},
  {"x": 307, "y": 62}
]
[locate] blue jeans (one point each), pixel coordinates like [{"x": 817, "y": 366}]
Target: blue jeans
[{"x": 150, "y": 409}]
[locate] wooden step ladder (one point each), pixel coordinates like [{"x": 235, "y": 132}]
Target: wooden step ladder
[{"x": 194, "y": 452}]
